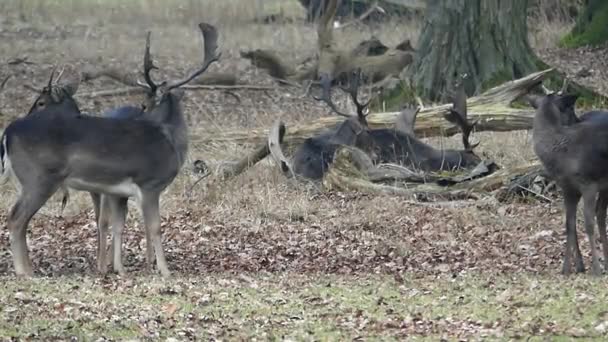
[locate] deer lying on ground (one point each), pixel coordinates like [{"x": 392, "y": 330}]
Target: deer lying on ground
[
  {"x": 313, "y": 157},
  {"x": 398, "y": 145},
  {"x": 116, "y": 158},
  {"x": 574, "y": 152}
]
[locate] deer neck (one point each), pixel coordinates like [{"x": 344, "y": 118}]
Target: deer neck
[
  {"x": 547, "y": 125},
  {"x": 168, "y": 114}
]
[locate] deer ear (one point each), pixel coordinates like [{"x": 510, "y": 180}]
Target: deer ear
[
  {"x": 566, "y": 101},
  {"x": 534, "y": 100}
]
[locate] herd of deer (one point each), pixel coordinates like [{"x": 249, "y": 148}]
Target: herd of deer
[{"x": 137, "y": 151}]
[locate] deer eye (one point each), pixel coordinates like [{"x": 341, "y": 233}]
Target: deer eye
[{"x": 40, "y": 103}]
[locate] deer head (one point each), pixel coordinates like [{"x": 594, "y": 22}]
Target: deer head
[
  {"x": 57, "y": 97},
  {"x": 354, "y": 130}
]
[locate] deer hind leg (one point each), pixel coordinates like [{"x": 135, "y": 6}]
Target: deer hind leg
[
  {"x": 590, "y": 202},
  {"x": 31, "y": 199},
  {"x": 571, "y": 199},
  {"x": 150, "y": 210},
  {"x": 102, "y": 218},
  {"x": 118, "y": 213},
  {"x": 600, "y": 212}
]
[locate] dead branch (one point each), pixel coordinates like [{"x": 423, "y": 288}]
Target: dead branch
[
  {"x": 347, "y": 173},
  {"x": 491, "y": 109},
  {"x": 90, "y": 73},
  {"x": 233, "y": 169},
  {"x": 193, "y": 87}
]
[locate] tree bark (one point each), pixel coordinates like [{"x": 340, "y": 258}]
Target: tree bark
[
  {"x": 486, "y": 39},
  {"x": 591, "y": 26}
]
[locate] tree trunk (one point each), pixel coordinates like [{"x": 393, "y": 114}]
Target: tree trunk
[
  {"x": 487, "y": 39},
  {"x": 591, "y": 26}
]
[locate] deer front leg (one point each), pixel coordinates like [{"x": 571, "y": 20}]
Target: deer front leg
[
  {"x": 150, "y": 210},
  {"x": 32, "y": 198},
  {"x": 149, "y": 250},
  {"x": 102, "y": 213},
  {"x": 118, "y": 212}
]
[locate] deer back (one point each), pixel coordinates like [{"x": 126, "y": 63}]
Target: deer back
[{"x": 124, "y": 112}]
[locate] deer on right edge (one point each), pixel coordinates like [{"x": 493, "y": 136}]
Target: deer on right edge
[
  {"x": 116, "y": 158},
  {"x": 574, "y": 152}
]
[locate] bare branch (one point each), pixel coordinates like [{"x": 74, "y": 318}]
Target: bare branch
[
  {"x": 193, "y": 87},
  {"x": 91, "y": 73},
  {"x": 373, "y": 8},
  {"x": 3, "y": 84}
]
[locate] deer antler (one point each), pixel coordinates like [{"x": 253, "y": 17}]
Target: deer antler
[
  {"x": 50, "y": 84},
  {"x": 209, "y": 33},
  {"x": 354, "y": 82},
  {"x": 458, "y": 114},
  {"x": 149, "y": 66}
]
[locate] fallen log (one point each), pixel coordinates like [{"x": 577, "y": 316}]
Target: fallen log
[
  {"x": 491, "y": 109},
  {"x": 348, "y": 173}
]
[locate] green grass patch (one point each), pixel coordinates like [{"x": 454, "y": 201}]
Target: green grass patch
[
  {"x": 591, "y": 32},
  {"x": 304, "y": 307}
]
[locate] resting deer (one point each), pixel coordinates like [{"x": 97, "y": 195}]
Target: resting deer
[
  {"x": 116, "y": 158},
  {"x": 575, "y": 154},
  {"x": 401, "y": 146},
  {"x": 313, "y": 157}
]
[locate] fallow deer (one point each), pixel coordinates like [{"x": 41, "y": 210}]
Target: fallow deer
[
  {"x": 313, "y": 157},
  {"x": 400, "y": 145},
  {"x": 574, "y": 152},
  {"x": 116, "y": 158}
]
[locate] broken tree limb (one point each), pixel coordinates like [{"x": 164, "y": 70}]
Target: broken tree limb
[
  {"x": 348, "y": 173},
  {"x": 345, "y": 174},
  {"x": 192, "y": 87},
  {"x": 233, "y": 169},
  {"x": 491, "y": 109}
]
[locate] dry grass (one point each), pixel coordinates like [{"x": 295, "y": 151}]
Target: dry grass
[{"x": 112, "y": 31}]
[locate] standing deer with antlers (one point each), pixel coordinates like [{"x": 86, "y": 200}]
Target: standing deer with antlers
[
  {"x": 56, "y": 99},
  {"x": 116, "y": 158}
]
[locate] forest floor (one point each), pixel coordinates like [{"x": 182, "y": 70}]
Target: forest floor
[{"x": 260, "y": 258}]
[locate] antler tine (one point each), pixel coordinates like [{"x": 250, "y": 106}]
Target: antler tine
[
  {"x": 354, "y": 82},
  {"x": 60, "y": 75},
  {"x": 326, "y": 95},
  {"x": 149, "y": 66},
  {"x": 50, "y": 84},
  {"x": 564, "y": 86},
  {"x": 209, "y": 33}
]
